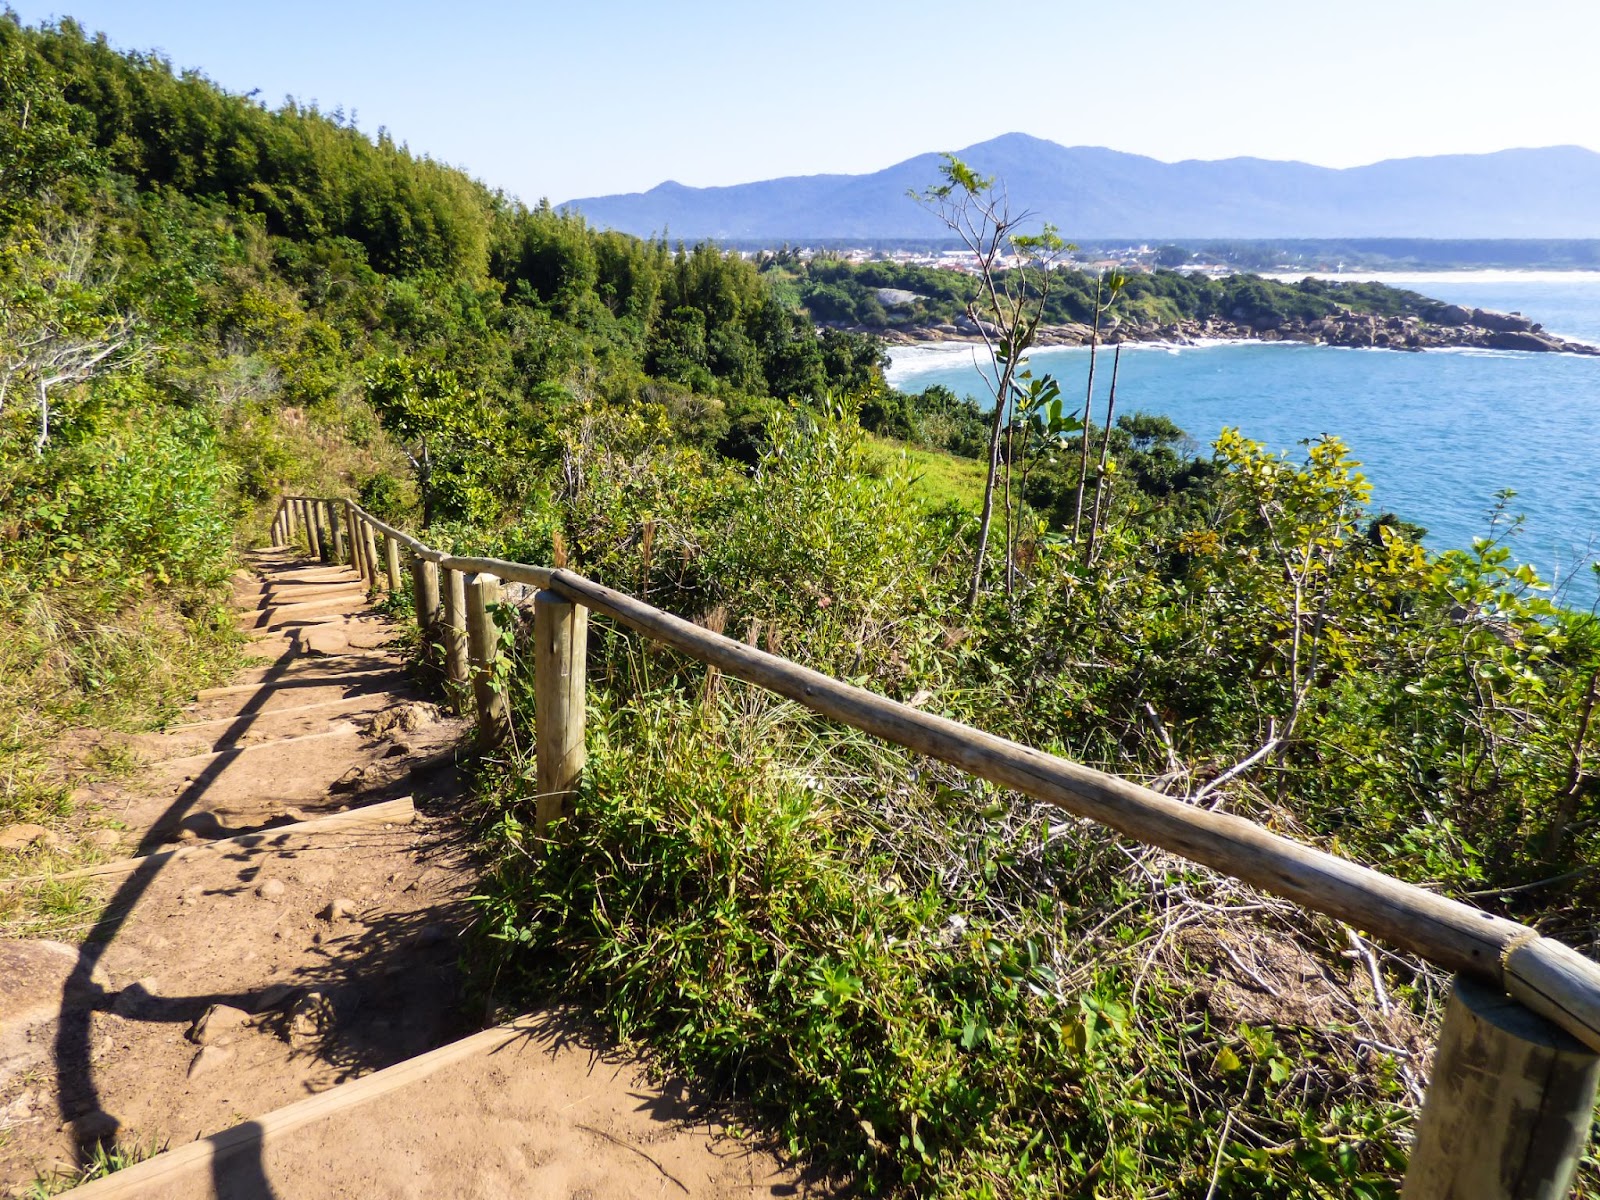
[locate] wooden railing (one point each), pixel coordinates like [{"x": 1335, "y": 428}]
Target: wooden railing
[{"x": 1518, "y": 1058}]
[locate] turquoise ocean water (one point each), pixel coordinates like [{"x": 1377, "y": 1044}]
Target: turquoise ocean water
[{"x": 1439, "y": 433}]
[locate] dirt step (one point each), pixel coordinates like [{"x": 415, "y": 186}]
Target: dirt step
[
  {"x": 364, "y": 669},
  {"x": 278, "y": 614},
  {"x": 287, "y": 717},
  {"x": 286, "y": 591},
  {"x": 198, "y": 758},
  {"x": 533, "y": 1108},
  {"x": 317, "y": 958},
  {"x": 238, "y": 792},
  {"x": 391, "y": 812},
  {"x": 248, "y": 604},
  {"x": 335, "y": 949},
  {"x": 340, "y": 635},
  {"x": 289, "y": 580}
]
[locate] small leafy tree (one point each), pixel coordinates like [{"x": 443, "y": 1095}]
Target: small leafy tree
[
  {"x": 448, "y": 433},
  {"x": 1006, "y": 311}
]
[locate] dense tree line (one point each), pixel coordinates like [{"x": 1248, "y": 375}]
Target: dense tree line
[
  {"x": 236, "y": 230},
  {"x": 846, "y": 293}
]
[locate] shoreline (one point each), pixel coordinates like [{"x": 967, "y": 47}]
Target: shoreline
[
  {"x": 1399, "y": 277},
  {"x": 1460, "y": 329}
]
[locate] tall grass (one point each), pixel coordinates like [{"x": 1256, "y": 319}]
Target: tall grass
[
  {"x": 902, "y": 976},
  {"x": 113, "y": 601}
]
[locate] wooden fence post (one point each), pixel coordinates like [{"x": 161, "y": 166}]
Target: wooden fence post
[
  {"x": 1508, "y": 1111},
  {"x": 358, "y": 557},
  {"x": 319, "y": 544},
  {"x": 363, "y": 538},
  {"x": 425, "y": 597},
  {"x": 352, "y": 537},
  {"x": 369, "y": 548},
  {"x": 335, "y": 542},
  {"x": 483, "y": 638},
  {"x": 391, "y": 562},
  {"x": 289, "y": 520},
  {"x": 308, "y": 521},
  {"x": 561, "y": 651},
  {"x": 454, "y": 588}
]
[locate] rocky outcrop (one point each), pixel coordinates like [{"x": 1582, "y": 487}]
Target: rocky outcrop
[
  {"x": 1502, "y": 322},
  {"x": 1449, "y": 314},
  {"x": 1511, "y": 339}
]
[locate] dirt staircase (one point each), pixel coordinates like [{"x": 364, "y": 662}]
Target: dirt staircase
[{"x": 270, "y": 990}]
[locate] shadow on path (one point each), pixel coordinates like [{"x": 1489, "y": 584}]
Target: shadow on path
[{"x": 77, "y": 1096}]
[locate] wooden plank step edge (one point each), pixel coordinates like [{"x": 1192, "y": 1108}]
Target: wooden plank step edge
[
  {"x": 353, "y": 702},
  {"x": 355, "y": 677},
  {"x": 391, "y": 812},
  {"x": 342, "y": 729},
  {"x": 353, "y": 602},
  {"x": 156, "y": 1176}
]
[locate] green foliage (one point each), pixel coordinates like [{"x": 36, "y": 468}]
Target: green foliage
[
  {"x": 309, "y": 176},
  {"x": 844, "y": 293},
  {"x": 122, "y": 504},
  {"x": 868, "y": 976},
  {"x": 456, "y": 436},
  {"x": 101, "y": 1162},
  {"x": 42, "y": 144},
  {"x": 117, "y": 543},
  {"x": 906, "y": 973},
  {"x": 909, "y": 977}
]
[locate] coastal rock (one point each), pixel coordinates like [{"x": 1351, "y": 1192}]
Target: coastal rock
[
  {"x": 1450, "y": 314},
  {"x": 1501, "y": 322},
  {"x": 897, "y": 297},
  {"x": 1515, "y": 340},
  {"x": 1439, "y": 326}
]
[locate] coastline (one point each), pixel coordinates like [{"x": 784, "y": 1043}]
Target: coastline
[
  {"x": 1401, "y": 278},
  {"x": 1458, "y": 329}
]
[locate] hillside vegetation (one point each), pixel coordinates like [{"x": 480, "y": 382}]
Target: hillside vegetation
[
  {"x": 900, "y": 974},
  {"x": 836, "y": 290}
]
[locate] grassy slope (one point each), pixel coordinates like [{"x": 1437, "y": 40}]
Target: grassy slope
[{"x": 938, "y": 478}]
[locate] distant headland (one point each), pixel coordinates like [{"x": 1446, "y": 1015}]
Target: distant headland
[{"x": 1450, "y": 326}]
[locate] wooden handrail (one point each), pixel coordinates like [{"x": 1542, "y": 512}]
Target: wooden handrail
[
  {"x": 498, "y": 567},
  {"x": 1550, "y": 978},
  {"x": 1461, "y": 1123}
]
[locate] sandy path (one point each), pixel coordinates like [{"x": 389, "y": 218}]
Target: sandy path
[{"x": 222, "y": 986}]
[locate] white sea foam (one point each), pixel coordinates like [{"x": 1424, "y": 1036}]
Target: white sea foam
[{"x": 908, "y": 362}]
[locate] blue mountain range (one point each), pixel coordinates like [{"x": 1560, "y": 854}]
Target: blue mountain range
[{"x": 1090, "y": 192}]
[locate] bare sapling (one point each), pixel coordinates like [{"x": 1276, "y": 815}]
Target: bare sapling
[{"x": 1014, "y": 281}]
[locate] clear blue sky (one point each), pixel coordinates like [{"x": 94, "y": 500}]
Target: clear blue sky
[{"x": 581, "y": 98}]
